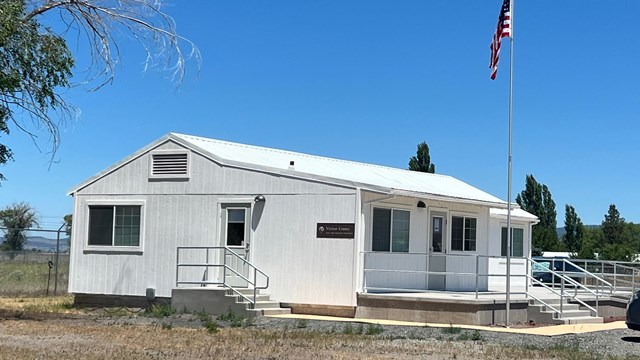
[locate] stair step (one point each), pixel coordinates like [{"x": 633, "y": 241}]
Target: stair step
[
  {"x": 275, "y": 311},
  {"x": 261, "y": 297},
  {"x": 583, "y": 320}
]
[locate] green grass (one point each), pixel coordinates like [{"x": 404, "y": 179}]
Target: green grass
[
  {"x": 20, "y": 278},
  {"x": 374, "y": 329},
  {"x": 452, "y": 330},
  {"x": 159, "y": 311}
]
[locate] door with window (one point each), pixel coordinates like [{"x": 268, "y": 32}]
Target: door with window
[
  {"x": 437, "y": 255},
  {"x": 235, "y": 235}
]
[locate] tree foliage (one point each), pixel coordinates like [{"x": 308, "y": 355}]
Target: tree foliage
[
  {"x": 613, "y": 226},
  {"x": 68, "y": 220},
  {"x": 574, "y": 230},
  {"x": 422, "y": 161},
  {"x": 36, "y": 62},
  {"x": 16, "y": 218},
  {"x": 536, "y": 198}
]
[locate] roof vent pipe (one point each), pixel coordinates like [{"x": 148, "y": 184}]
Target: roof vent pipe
[{"x": 292, "y": 165}]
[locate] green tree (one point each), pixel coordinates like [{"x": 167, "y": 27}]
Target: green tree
[
  {"x": 422, "y": 161},
  {"x": 536, "y": 198},
  {"x": 613, "y": 226},
  {"x": 36, "y": 63},
  {"x": 16, "y": 218},
  {"x": 574, "y": 230},
  {"x": 591, "y": 239},
  {"x": 68, "y": 220}
]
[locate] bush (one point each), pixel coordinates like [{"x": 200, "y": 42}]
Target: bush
[
  {"x": 452, "y": 330},
  {"x": 374, "y": 329},
  {"x": 159, "y": 311}
]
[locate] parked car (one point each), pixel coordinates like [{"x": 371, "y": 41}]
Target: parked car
[
  {"x": 633, "y": 311},
  {"x": 541, "y": 266}
]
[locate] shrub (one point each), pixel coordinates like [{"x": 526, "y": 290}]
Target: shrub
[
  {"x": 159, "y": 311},
  {"x": 374, "y": 329}
]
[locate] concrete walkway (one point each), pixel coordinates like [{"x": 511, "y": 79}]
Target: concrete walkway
[{"x": 551, "y": 330}]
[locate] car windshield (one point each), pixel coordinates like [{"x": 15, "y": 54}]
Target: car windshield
[{"x": 541, "y": 266}]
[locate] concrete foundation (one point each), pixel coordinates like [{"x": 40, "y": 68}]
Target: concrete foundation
[
  {"x": 211, "y": 301},
  {"x": 102, "y": 300},
  {"x": 324, "y": 310},
  {"x": 470, "y": 312}
]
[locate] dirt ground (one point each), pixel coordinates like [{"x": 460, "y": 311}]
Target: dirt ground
[{"x": 52, "y": 329}]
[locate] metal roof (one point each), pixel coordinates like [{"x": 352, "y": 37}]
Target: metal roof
[{"x": 367, "y": 176}]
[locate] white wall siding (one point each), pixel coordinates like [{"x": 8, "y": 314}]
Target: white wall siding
[
  {"x": 499, "y": 266},
  {"x": 302, "y": 269}
]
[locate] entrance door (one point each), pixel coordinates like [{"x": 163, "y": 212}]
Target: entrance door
[
  {"x": 236, "y": 230},
  {"x": 437, "y": 257}
]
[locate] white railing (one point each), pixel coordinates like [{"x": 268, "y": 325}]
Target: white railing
[
  {"x": 220, "y": 262},
  {"x": 410, "y": 272}
]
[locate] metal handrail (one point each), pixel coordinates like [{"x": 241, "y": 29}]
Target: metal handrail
[
  {"x": 564, "y": 278},
  {"x": 225, "y": 267},
  {"x": 528, "y": 262}
]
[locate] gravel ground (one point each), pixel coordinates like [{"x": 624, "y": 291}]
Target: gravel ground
[{"x": 621, "y": 343}]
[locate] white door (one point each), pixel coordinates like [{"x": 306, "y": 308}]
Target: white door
[
  {"x": 236, "y": 231},
  {"x": 438, "y": 246}
]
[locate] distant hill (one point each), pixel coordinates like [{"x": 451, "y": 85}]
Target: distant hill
[
  {"x": 561, "y": 231},
  {"x": 44, "y": 244}
]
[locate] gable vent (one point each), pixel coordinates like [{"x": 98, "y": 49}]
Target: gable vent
[{"x": 170, "y": 164}]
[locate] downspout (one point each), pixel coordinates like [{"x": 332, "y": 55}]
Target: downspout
[{"x": 358, "y": 259}]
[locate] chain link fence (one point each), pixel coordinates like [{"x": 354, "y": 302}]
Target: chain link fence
[
  {"x": 42, "y": 270},
  {"x": 32, "y": 273}
]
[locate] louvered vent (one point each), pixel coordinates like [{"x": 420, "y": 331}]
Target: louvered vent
[{"x": 170, "y": 165}]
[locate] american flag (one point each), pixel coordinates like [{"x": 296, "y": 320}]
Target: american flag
[{"x": 503, "y": 30}]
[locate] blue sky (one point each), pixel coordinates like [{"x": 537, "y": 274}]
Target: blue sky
[{"x": 369, "y": 80}]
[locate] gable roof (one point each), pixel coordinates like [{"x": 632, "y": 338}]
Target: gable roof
[{"x": 377, "y": 178}]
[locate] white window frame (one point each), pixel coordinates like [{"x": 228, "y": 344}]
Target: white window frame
[
  {"x": 464, "y": 216},
  {"x": 153, "y": 176},
  {"x": 514, "y": 226},
  {"x": 394, "y": 208},
  {"x": 114, "y": 248}
]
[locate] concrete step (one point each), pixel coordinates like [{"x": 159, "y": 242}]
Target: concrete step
[
  {"x": 582, "y": 320},
  {"x": 266, "y": 305},
  {"x": 566, "y": 314},
  {"x": 275, "y": 311},
  {"x": 261, "y": 297}
]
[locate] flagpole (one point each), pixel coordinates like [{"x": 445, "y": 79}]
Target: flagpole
[{"x": 509, "y": 235}]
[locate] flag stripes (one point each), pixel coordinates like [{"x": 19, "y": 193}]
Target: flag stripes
[{"x": 503, "y": 30}]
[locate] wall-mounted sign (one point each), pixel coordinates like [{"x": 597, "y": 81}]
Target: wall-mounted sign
[{"x": 335, "y": 231}]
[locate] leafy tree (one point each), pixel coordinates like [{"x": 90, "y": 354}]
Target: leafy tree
[
  {"x": 36, "y": 63},
  {"x": 68, "y": 220},
  {"x": 536, "y": 198},
  {"x": 592, "y": 237},
  {"x": 574, "y": 230},
  {"x": 422, "y": 160},
  {"x": 613, "y": 226},
  {"x": 16, "y": 218}
]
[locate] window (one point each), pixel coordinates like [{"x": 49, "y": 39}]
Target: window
[
  {"x": 235, "y": 227},
  {"x": 390, "y": 230},
  {"x": 169, "y": 165},
  {"x": 463, "y": 233},
  {"x": 114, "y": 225},
  {"x": 517, "y": 236}
]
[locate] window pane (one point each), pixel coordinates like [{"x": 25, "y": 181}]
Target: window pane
[
  {"x": 381, "y": 230},
  {"x": 400, "y": 236},
  {"x": 457, "y": 232},
  {"x": 517, "y": 238},
  {"x": 100, "y": 225},
  {"x": 235, "y": 215},
  {"x": 236, "y": 227},
  {"x": 436, "y": 234},
  {"x": 127, "y": 228},
  {"x": 470, "y": 234},
  {"x": 517, "y": 242}
]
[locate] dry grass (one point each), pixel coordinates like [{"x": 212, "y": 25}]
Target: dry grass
[
  {"x": 89, "y": 339},
  {"x": 30, "y": 278}
]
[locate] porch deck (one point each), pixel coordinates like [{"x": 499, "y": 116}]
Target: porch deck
[{"x": 464, "y": 307}]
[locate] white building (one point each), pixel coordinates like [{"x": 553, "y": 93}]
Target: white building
[{"x": 323, "y": 230}]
